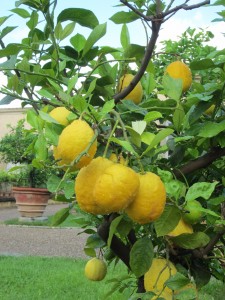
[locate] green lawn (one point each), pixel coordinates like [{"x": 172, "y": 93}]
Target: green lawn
[{"x": 38, "y": 278}]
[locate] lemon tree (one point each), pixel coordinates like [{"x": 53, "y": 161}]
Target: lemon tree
[{"x": 130, "y": 138}]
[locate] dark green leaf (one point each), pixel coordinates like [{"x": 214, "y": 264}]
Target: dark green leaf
[
  {"x": 112, "y": 229},
  {"x": 168, "y": 220},
  {"x": 141, "y": 256},
  {"x": 177, "y": 281},
  {"x": 7, "y": 30},
  {"x": 178, "y": 118},
  {"x": 21, "y": 12},
  {"x": 191, "y": 241},
  {"x": 82, "y": 16},
  {"x": 202, "y": 64},
  {"x": 7, "y": 100},
  {"x": 60, "y": 216},
  {"x": 94, "y": 241},
  {"x": 211, "y": 129}
]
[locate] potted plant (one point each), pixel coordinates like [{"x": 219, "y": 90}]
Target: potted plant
[
  {"x": 29, "y": 185},
  {"x": 6, "y": 183}
]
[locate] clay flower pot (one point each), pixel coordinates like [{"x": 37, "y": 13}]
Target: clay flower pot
[{"x": 31, "y": 202}]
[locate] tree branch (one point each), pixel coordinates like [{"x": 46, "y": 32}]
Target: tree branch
[{"x": 201, "y": 162}]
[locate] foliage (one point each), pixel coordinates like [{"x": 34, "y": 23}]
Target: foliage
[{"x": 55, "y": 65}]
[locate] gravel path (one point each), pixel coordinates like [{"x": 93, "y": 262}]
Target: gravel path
[{"x": 39, "y": 241}]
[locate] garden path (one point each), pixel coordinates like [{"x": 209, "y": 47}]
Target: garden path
[{"x": 39, "y": 241}]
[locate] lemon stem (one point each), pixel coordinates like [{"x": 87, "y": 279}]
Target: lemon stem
[{"x": 110, "y": 136}]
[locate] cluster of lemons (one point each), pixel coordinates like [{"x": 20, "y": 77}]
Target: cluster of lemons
[{"x": 103, "y": 185}]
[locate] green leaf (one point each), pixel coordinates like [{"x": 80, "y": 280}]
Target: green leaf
[
  {"x": 177, "y": 281},
  {"x": 202, "y": 64},
  {"x": 124, "y": 17},
  {"x": 78, "y": 41},
  {"x": 147, "y": 137},
  {"x": 191, "y": 240},
  {"x": 113, "y": 228},
  {"x": 152, "y": 115},
  {"x": 41, "y": 147},
  {"x": 141, "y": 256},
  {"x": 60, "y": 216},
  {"x": 125, "y": 37},
  {"x": 79, "y": 103},
  {"x": 134, "y": 50},
  {"x": 53, "y": 183},
  {"x": 6, "y": 30},
  {"x": 178, "y": 118},
  {"x": 211, "y": 129},
  {"x": 82, "y": 16},
  {"x": 69, "y": 28},
  {"x": 139, "y": 126},
  {"x": 149, "y": 83},
  {"x": 135, "y": 137},
  {"x": 200, "y": 189},
  {"x": 107, "y": 107},
  {"x": 94, "y": 241},
  {"x": 3, "y": 19},
  {"x": 69, "y": 188},
  {"x": 98, "y": 32},
  {"x": 125, "y": 144},
  {"x": 11, "y": 49},
  {"x": 71, "y": 83},
  {"x": 167, "y": 221},
  {"x": 173, "y": 87},
  {"x": 21, "y": 12},
  {"x": 7, "y": 100},
  {"x": 90, "y": 252},
  {"x": 158, "y": 138}
]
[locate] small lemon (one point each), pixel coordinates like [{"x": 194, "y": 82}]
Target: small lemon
[
  {"x": 95, "y": 269},
  {"x": 75, "y": 139},
  {"x": 136, "y": 94},
  {"x": 60, "y": 114},
  {"x": 180, "y": 70},
  {"x": 193, "y": 212}
]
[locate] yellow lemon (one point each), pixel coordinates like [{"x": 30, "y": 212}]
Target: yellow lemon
[
  {"x": 136, "y": 94},
  {"x": 180, "y": 70},
  {"x": 75, "y": 139},
  {"x": 182, "y": 227},
  {"x": 160, "y": 271},
  {"x": 116, "y": 188},
  {"x": 85, "y": 183},
  {"x": 95, "y": 269},
  {"x": 150, "y": 200},
  {"x": 104, "y": 187},
  {"x": 60, "y": 114}
]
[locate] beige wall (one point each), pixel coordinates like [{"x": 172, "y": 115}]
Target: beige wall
[{"x": 9, "y": 116}]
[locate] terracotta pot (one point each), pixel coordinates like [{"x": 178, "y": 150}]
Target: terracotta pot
[{"x": 31, "y": 202}]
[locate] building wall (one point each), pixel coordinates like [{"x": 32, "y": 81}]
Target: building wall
[{"x": 9, "y": 116}]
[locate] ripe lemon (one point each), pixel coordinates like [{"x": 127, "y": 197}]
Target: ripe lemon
[
  {"x": 116, "y": 188},
  {"x": 182, "y": 227},
  {"x": 104, "y": 187},
  {"x": 160, "y": 271},
  {"x": 74, "y": 139},
  {"x": 178, "y": 69},
  {"x": 95, "y": 269},
  {"x": 60, "y": 114},
  {"x": 136, "y": 94},
  {"x": 150, "y": 201},
  {"x": 85, "y": 183},
  {"x": 193, "y": 214}
]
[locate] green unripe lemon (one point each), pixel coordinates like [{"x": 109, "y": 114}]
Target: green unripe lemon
[
  {"x": 193, "y": 212},
  {"x": 95, "y": 269}
]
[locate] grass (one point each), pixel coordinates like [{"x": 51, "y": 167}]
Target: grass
[
  {"x": 38, "y": 278},
  {"x": 67, "y": 223}
]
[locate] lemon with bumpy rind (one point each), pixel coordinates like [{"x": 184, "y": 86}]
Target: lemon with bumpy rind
[
  {"x": 136, "y": 94},
  {"x": 95, "y": 269},
  {"x": 74, "y": 140},
  {"x": 179, "y": 70},
  {"x": 104, "y": 187},
  {"x": 150, "y": 200},
  {"x": 60, "y": 114},
  {"x": 159, "y": 272},
  {"x": 85, "y": 183}
]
